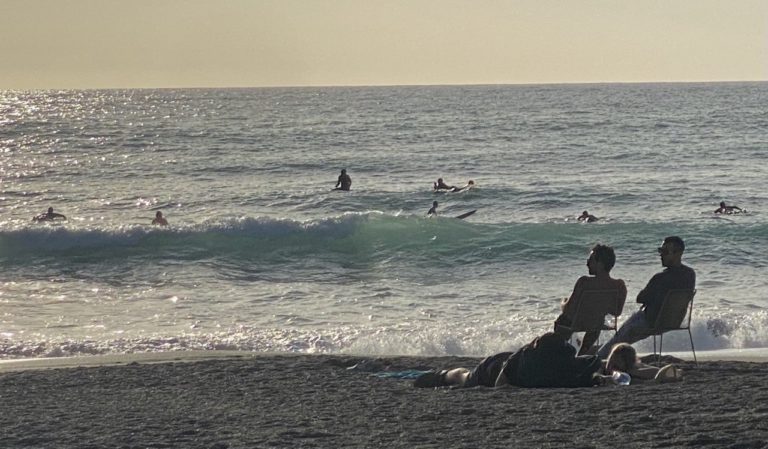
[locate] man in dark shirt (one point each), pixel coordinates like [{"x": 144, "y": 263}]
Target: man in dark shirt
[{"x": 675, "y": 276}]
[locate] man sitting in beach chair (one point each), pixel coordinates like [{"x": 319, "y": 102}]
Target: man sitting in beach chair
[
  {"x": 675, "y": 276},
  {"x": 593, "y": 297}
]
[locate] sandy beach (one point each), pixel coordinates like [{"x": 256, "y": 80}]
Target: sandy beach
[{"x": 246, "y": 400}]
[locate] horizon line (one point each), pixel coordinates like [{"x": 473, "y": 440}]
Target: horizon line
[{"x": 321, "y": 86}]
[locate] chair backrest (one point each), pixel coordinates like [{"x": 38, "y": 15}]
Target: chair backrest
[
  {"x": 677, "y": 306},
  {"x": 591, "y": 308}
]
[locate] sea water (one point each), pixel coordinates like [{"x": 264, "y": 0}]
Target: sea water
[{"x": 261, "y": 254}]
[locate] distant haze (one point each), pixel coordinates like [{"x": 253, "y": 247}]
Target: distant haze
[{"x": 206, "y": 43}]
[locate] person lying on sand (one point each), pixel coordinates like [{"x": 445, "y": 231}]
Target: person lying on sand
[
  {"x": 547, "y": 361},
  {"x": 48, "y": 216},
  {"x": 623, "y": 358}
]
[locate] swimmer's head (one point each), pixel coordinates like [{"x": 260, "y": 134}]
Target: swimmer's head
[
  {"x": 50, "y": 210},
  {"x": 159, "y": 214}
]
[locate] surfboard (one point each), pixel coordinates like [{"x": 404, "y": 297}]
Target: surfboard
[{"x": 466, "y": 214}]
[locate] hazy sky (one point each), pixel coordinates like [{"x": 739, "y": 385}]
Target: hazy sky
[{"x": 168, "y": 43}]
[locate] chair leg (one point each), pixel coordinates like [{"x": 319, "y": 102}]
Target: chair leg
[
  {"x": 661, "y": 344},
  {"x": 692, "y": 348}
]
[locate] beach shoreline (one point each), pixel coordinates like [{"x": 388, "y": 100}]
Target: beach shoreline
[
  {"x": 242, "y": 400},
  {"x": 759, "y": 355}
]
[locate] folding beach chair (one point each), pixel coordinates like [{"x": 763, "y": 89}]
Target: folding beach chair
[
  {"x": 675, "y": 314},
  {"x": 591, "y": 308}
]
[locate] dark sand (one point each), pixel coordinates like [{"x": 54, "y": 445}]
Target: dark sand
[{"x": 255, "y": 401}]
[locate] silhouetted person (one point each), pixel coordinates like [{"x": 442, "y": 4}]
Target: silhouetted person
[
  {"x": 725, "y": 209},
  {"x": 48, "y": 216},
  {"x": 159, "y": 219},
  {"x": 586, "y": 216},
  {"x": 344, "y": 182},
  {"x": 675, "y": 276},
  {"x": 433, "y": 209},
  {"x": 440, "y": 185},
  {"x": 469, "y": 185},
  {"x": 601, "y": 260}
]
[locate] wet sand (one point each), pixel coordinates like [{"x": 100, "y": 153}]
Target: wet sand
[{"x": 245, "y": 400}]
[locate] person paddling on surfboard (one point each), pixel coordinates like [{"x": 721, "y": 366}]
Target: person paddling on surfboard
[
  {"x": 48, "y": 216},
  {"x": 440, "y": 185},
  {"x": 433, "y": 209},
  {"x": 344, "y": 182},
  {"x": 725, "y": 209},
  {"x": 587, "y": 217},
  {"x": 469, "y": 185}
]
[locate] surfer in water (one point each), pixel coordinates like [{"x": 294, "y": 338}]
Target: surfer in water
[
  {"x": 469, "y": 185},
  {"x": 725, "y": 209},
  {"x": 344, "y": 182},
  {"x": 433, "y": 209},
  {"x": 159, "y": 219},
  {"x": 48, "y": 216},
  {"x": 587, "y": 217},
  {"x": 440, "y": 185}
]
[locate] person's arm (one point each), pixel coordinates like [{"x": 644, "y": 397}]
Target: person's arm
[
  {"x": 651, "y": 291},
  {"x": 622, "y": 296},
  {"x": 644, "y": 372},
  {"x": 338, "y": 182},
  {"x": 55, "y": 215},
  {"x": 577, "y": 289}
]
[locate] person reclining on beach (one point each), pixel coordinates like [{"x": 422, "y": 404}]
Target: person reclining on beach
[
  {"x": 599, "y": 264},
  {"x": 440, "y": 185},
  {"x": 344, "y": 182},
  {"x": 623, "y": 358},
  {"x": 48, "y": 216},
  {"x": 675, "y": 276},
  {"x": 725, "y": 209},
  {"x": 547, "y": 361}
]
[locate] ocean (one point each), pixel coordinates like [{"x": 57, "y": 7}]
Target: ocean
[{"x": 261, "y": 255}]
